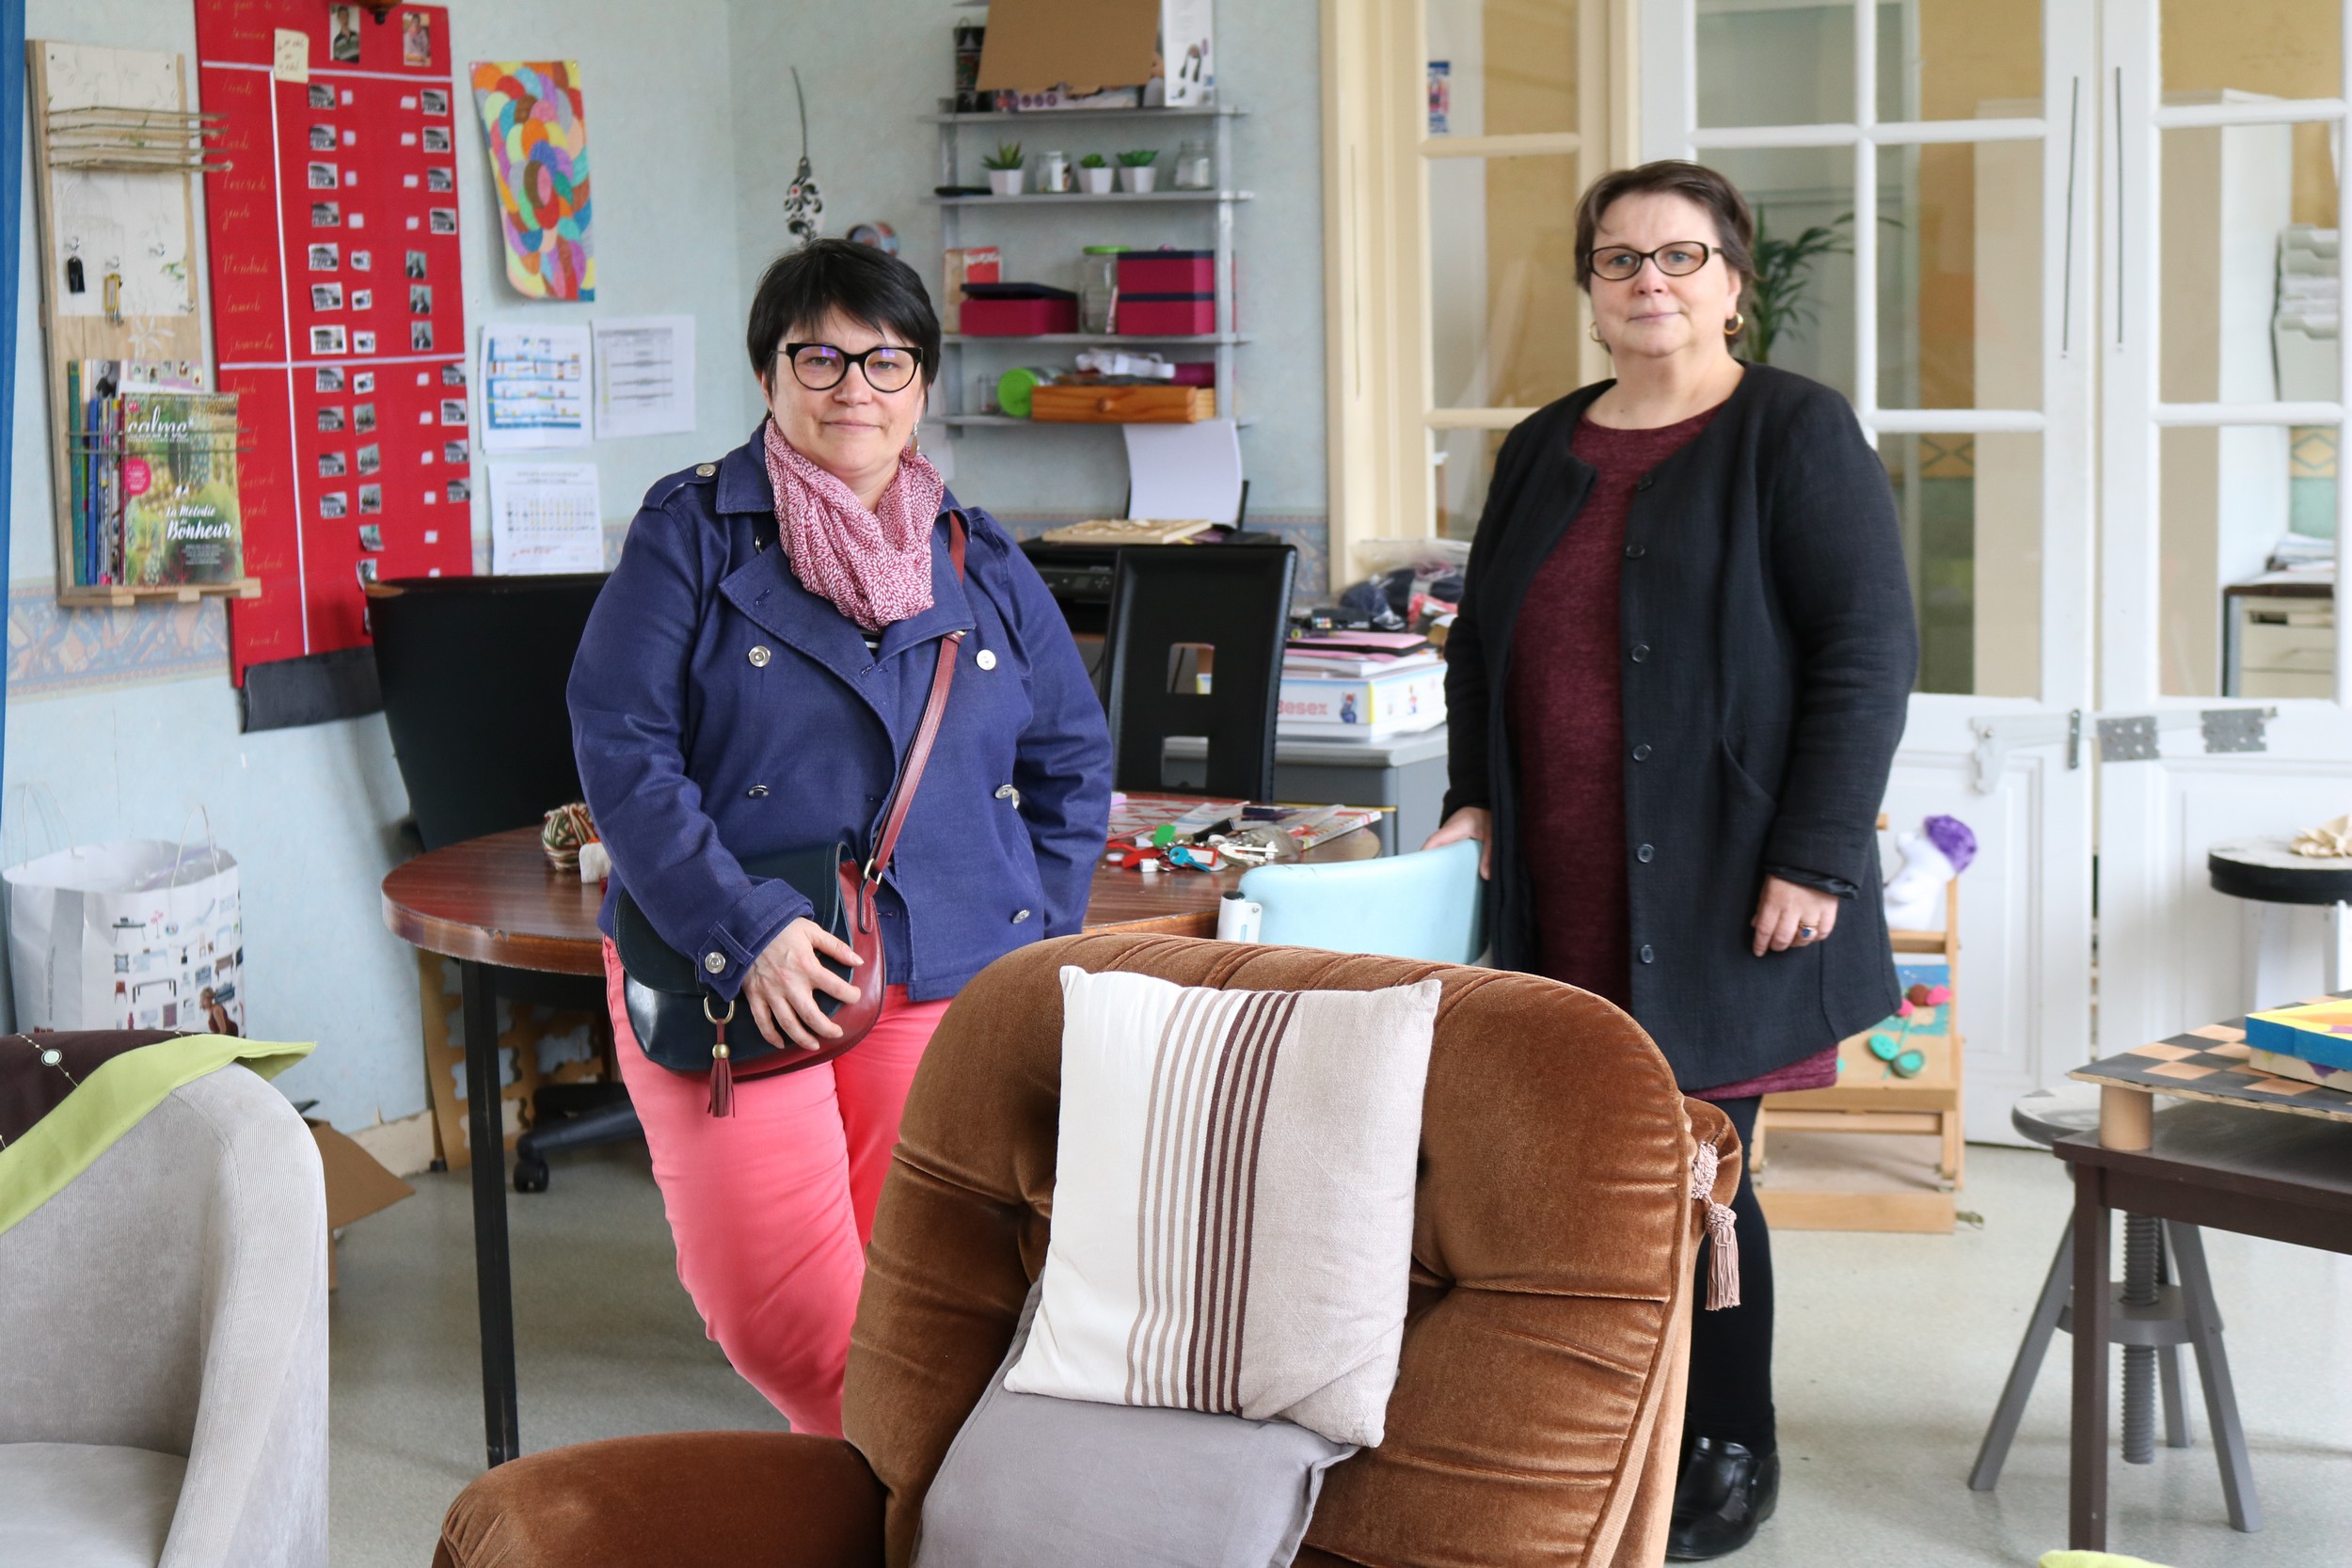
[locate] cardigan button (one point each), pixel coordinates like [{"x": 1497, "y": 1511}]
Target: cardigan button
[
  {"x": 757, "y": 792},
  {"x": 760, "y": 657},
  {"x": 1641, "y": 752},
  {"x": 1019, "y": 915},
  {"x": 985, "y": 660},
  {"x": 1646, "y": 854},
  {"x": 1645, "y": 482},
  {"x": 1639, "y": 652},
  {"x": 1635, "y": 552},
  {"x": 1649, "y": 954}
]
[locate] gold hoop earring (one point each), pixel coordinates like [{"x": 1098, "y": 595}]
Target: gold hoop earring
[
  {"x": 1731, "y": 327},
  {"x": 1592, "y": 330}
]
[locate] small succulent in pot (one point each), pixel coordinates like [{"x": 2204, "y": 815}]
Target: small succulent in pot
[
  {"x": 1095, "y": 174},
  {"x": 1005, "y": 173},
  {"x": 1135, "y": 174}
]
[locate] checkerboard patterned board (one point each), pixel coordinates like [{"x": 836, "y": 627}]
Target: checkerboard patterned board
[{"x": 2212, "y": 1064}]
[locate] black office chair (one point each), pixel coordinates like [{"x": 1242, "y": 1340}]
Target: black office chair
[
  {"x": 473, "y": 670},
  {"x": 1181, "y": 610}
]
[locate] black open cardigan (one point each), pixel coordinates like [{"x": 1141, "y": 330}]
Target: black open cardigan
[{"x": 1770, "y": 650}]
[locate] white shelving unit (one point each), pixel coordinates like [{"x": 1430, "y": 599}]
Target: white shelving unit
[{"x": 1221, "y": 200}]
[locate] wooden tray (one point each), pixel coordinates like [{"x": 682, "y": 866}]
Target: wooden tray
[{"x": 1123, "y": 404}]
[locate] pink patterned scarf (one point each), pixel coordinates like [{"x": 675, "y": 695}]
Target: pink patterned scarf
[{"x": 875, "y": 567}]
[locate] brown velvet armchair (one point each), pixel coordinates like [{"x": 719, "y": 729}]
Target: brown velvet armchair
[{"x": 1538, "y": 1412}]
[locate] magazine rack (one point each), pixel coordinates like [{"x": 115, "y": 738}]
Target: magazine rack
[{"x": 115, "y": 153}]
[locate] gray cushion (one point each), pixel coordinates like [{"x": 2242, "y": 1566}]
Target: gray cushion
[
  {"x": 87, "y": 1504},
  {"x": 1033, "y": 1481}
]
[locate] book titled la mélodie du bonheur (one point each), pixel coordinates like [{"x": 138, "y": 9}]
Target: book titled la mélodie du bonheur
[
  {"x": 154, "y": 476},
  {"x": 2312, "y": 1042}
]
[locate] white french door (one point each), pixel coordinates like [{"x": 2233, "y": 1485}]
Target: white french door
[
  {"x": 1935, "y": 157},
  {"x": 2224, "y": 368}
]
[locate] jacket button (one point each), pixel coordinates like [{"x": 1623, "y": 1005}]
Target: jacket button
[
  {"x": 1639, "y": 653},
  {"x": 1641, "y": 752},
  {"x": 1019, "y": 915},
  {"x": 715, "y": 962},
  {"x": 705, "y": 470},
  {"x": 1645, "y": 482},
  {"x": 1635, "y": 552},
  {"x": 985, "y": 660},
  {"x": 1006, "y": 792},
  {"x": 759, "y": 655},
  {"x": 1649, "y": 954},
  {"x": 1646, "y": 854},
  {"x": 757, "y": 791}
]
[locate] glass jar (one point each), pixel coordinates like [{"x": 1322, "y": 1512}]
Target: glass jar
[
  {"x": 1053, "y": 173},
  {"x": 1195, "y": 169},
  {"x": 1098, "y": 287}
]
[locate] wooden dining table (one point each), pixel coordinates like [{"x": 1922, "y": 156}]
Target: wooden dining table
[{"x": 496, "y": 902}]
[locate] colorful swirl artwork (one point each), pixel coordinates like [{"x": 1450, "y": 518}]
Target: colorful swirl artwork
[{"x": 537, "y": 126}]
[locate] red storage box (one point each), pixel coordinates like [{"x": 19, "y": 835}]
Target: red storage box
[
  {"x": 1159, "y": 315},
  {"x": 1017, "y": 309},
  {"x": 1167, "y": 272},
  {"x": 1196, "y": 372}
]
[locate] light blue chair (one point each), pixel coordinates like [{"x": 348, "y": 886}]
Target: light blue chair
[{"x": 1425, "y": 905}]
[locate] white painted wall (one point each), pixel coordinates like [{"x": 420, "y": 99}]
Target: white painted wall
[{"x": 311, "y": 812}]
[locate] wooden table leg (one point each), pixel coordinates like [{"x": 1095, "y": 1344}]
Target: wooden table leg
[
  {"x": 493, "y": 1272},
  {"x": 2087, "y": 1486}
]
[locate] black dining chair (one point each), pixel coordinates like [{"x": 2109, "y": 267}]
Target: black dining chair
[
  {"x": 1195, "y": 648},
  {"x": 473, "y": 670}
]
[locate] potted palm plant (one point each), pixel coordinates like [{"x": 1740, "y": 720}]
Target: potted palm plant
[
  {"x": 1095, "y": 174},
  {"x": 1135, "y": 174},
  {"x": 1004, "y": 169},
  {"x": 1779, "y": 301}
]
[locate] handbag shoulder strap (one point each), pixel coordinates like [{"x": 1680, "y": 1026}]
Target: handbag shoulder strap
[{"x": 934, "y": 709}]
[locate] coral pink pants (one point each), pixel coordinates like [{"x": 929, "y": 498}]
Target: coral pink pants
[{"x": 771, "y": 1207}]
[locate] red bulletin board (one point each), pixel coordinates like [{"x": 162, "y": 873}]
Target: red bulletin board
[{"x": 336, "y": 312}]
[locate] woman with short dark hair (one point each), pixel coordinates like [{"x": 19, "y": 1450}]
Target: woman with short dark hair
[
  {"x": 751, "y": 677},
  {"x": 1675, "y": 689}
]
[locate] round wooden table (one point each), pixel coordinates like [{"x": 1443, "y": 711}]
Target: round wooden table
[
  {"x": 495, "y": 902},
  {"x": 2266, "y": 871}
]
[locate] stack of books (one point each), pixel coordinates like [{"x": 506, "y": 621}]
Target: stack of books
[
  {"x": 153, "y": 459},
  {"x": 1360, "y": 685},
  {"x": 2312, "y": 1042}
]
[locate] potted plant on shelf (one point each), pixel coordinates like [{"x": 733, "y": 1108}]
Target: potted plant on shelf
[
  {"x": 1004, "y": 169},
  {"x": 1095, "y": 174},
  {"x": 1135, "y": 174}
]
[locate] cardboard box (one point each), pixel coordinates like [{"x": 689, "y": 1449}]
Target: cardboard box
[
  {"x": 1372, "y": 709},
  {"x": 972, "y": 264},
  {"x": 1080, "y": 47},
  {"x": 356, "y": 1185}
]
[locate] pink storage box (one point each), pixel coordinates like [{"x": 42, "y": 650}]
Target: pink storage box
[
  {"x": 1019, "y": 318},
  {"x": 1160, "y": 315},
  {"x": 1167, "y": 272}
]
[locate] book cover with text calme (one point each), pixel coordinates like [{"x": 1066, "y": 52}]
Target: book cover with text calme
[{"x": 181, "y": 522}]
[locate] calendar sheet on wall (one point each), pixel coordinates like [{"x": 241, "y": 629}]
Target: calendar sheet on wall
[{"x": 337, "y": 313}]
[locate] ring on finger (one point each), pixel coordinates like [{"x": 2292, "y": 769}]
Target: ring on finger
[{"x": 1808, "y": 933}]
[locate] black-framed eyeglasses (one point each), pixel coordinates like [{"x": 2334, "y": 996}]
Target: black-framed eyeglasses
[
  {"x": 1676, "y": 259},
  {"x": 819, "y": 366}
]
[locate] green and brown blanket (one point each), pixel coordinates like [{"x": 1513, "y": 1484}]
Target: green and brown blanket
[{"x": 66, "y": 1098}]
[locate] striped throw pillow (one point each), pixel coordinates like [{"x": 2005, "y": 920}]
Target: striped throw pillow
[{"x": 1234, "y": 1200}]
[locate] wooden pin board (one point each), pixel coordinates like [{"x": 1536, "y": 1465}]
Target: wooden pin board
[
  {"x": 1829, "y": 1163},
  {"x": 115, "y": 155}
]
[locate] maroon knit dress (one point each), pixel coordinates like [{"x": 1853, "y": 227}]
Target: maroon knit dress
[{"x": 1566, "y": 713}]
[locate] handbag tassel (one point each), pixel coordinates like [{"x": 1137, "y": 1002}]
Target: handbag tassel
[
  {"x": 1723, "y": 1267},
  {"x": 721, "y": 1081}
]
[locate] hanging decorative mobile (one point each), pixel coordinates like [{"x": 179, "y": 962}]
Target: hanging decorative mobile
[{"x": 804, "y": 206}]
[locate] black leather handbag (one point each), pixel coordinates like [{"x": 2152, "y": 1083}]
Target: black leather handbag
[{"x": 682, "y": 1025}]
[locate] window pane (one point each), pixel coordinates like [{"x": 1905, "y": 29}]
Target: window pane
[
  {"x": 1501, "y": 66},
  {"x": 2248, "y": 520},
  {"x": 1465, "y": 462},
  {"x": 1800, "y": 313},
  {"x": 2248, "y": 307},
  {"x": 1503, "y": 300},
  {"x": 1971, "y": 514},
  {"x": 1778, "y": 65},
  {"x": 1960, "y": 59},
  {"x": 2283, "y": 48},
  {"x": 1960, "y": 275}
]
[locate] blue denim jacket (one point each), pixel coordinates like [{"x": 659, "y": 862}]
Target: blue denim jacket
[{"x": 719, "y": 709}]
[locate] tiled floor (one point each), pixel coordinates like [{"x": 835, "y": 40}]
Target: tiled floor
[{"x": 1891, "y": 1351}]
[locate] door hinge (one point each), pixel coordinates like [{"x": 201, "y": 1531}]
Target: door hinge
[{"x": 2123, "y": 736}]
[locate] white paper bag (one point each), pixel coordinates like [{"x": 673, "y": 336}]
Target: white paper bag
[{"x": 139, "y": 933}]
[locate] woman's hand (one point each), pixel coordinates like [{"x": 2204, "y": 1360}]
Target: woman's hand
[
  {"x": 1469, "y": 822},
  {"x": 782, "y": 985},
  {"x": 1787, "y": 916}
]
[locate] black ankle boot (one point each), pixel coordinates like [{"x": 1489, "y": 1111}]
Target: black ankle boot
[{"x": 1723, "y": 1493}]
